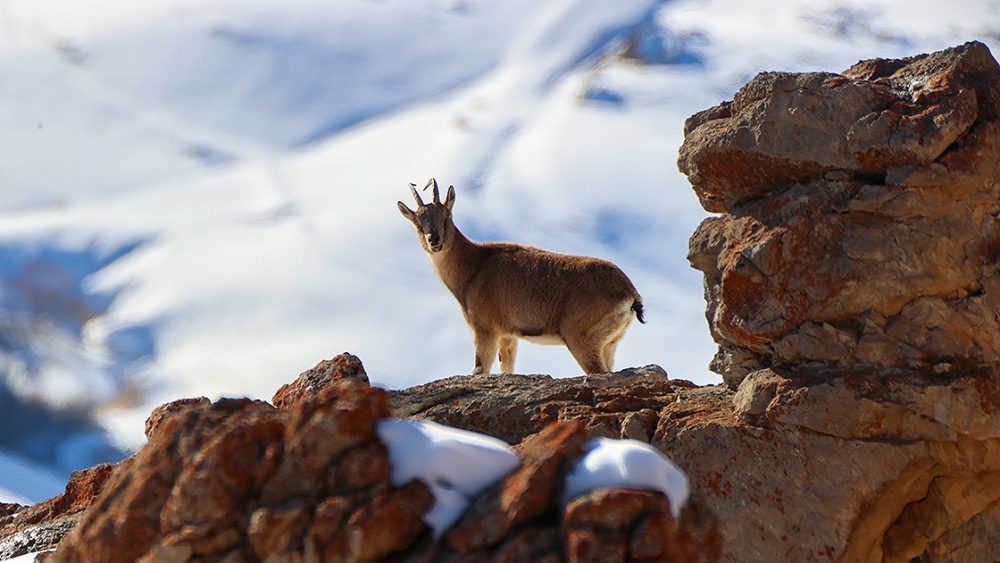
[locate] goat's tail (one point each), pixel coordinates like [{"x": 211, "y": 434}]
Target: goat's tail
[{"x": 637, "y": 307}]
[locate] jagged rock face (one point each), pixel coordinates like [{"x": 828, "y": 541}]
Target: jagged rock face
[
  {"x": 846, "y": 469},
  {"x": 859, "y": 222},
  {"x": 240, "y": 481},
  {"x": 27, "y": 529},
  {"x": 345, "y": 366}
]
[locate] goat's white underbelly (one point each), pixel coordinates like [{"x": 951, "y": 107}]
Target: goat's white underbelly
[{"x": 546, "y": 339}]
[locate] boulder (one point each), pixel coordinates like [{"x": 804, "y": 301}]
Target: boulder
[
  {"x": 240, "y": 480},
  {"x": 800, "y": 469},
  {"x": 344, "y": 366},
  {"x": 859, "y": 228}
]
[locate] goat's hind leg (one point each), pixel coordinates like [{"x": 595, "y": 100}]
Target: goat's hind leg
[
  {"x": 594, "y": 348},
  {"x": 587, "y": 353},
  {"x": 608, "y": 353},
  {"x": 611, "y": 344}
]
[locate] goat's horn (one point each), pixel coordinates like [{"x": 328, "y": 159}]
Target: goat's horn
[
  {"x": 437, "y": 195},
  {"x": 416, "y": 196}
]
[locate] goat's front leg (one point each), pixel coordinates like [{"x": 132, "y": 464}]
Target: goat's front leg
[
  {"x": 508, "y": 351},
  {"x": 486, "y": 343}
]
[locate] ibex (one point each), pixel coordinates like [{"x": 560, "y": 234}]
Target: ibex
[{"x": 509, "y": 291}]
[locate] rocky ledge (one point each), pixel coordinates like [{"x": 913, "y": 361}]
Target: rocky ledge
[{"x": 308, "y": 480}]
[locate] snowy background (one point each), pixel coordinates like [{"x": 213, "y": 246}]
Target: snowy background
[{"x": 198, "y": 197}]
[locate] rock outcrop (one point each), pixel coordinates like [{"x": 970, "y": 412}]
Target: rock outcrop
[
  {"x": 853, "y": 287},
  {"x": 859, "y": 227},
  {"x": 27, "y": 529},
  {"x": 243, "y": 481}
]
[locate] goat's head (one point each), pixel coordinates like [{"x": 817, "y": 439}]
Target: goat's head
[{"x": 433, "y": 220}]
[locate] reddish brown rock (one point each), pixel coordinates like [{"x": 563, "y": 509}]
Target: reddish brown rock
[
  {"x": 799, "y": 469},
  {"x": 783, "y": 129},
  {"x": 389, "y": 522},
  {"x": 310, "y": 382},
  {"x": 654, "y": 538},
  {"x": 791, "y": 478},
  {"x": 231, "y": 467},
  {"x": 320, "y": 430},
  {"x": 359, "y": 468},
  {"x": 539, "y": 544},
  {"x": 124, "y": 522},
  {"x": 239, "y": 480},
  {"x": 25, "y": 529},
  {"x": 638, "y": 526},
  {"x": 167, "y": 409},
  {"x": 860, "y": 224},
  {"x": 597, "y": 526},
  {"x": 83, "y": 486},
  {"x": 852, "y": 285},
  {"x": 273, "y": 532},
  {"x": 595, "y": 546},
  {"x": 329, "y": 518},
  {"x": 613, "y": 508},
  {"x": 512, "y": 407},
  {"x": 530, "y": 491}
]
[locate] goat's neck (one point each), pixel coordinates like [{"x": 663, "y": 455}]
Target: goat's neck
[{"x": 457, "y": 265}]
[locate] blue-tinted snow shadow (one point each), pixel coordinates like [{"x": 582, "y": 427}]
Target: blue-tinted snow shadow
[
  {"x": 45, "y": 301},
  {"x": 62, "y": 441},
  {"x": 652, "y": 43},
  {"x": 327, "y": 88}
]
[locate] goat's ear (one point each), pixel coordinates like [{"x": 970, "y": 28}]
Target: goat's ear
[
  {"x": 406, "y": 212},
  {"x": 449, "y": 200}
]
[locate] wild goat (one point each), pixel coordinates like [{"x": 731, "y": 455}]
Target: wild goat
[{"x": 509, "y": 291}]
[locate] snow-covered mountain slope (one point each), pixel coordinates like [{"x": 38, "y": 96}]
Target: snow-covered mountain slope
[{"x": 198, "y": 197}]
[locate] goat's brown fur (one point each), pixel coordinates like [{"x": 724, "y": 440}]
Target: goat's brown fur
[{"x": 509, "y": 291}]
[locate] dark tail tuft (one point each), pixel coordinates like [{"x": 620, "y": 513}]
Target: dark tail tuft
[{"x": 637, "y": 307}]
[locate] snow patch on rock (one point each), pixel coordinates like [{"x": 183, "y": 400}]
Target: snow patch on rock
[
  {"x": 456, "y": 465},
  {"x": 459, "y": 465},
  {"x": 630, "y": 464}
]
